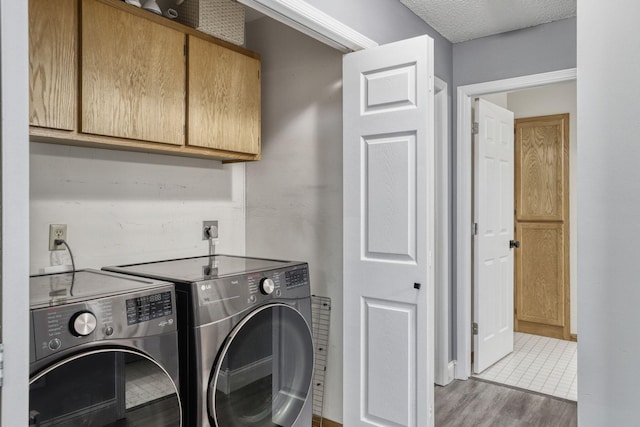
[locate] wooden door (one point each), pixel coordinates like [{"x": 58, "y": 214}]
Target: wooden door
[
  {"x": 133, "y": 76},
  {"x": 53, "y": 63},
  {"x": 389, "y": 184},
  {"x": 542, "y": 226},
  {"x": 224, "y": 98},
  {"x": 493, "y": 256}
]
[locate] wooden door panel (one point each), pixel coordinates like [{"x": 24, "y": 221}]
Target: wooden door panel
[
  {"x": 53, "y": 62},
  {"x": 540, "y": 265},
  {"x": 224, "y": 98},
  {"x": 542, "y": 226},
  {"x": 539, "y": 157},
  {"x": 133, "y": 76}
]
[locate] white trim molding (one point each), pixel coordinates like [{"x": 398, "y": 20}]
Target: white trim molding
[
  {"x": 443, "y": 235},
  {"x": 311, "y": 21},
  {"x": 464, "y": 193}
]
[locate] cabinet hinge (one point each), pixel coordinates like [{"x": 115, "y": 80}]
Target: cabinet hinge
[
  {"x": 1, "y": 364},
  {"x": 476, "y": 128},
  {"x": 474, "y": 328},
  {"x": 474, "y": 229}
]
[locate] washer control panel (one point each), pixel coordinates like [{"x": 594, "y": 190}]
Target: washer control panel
[
  {"x": 215, "y": 299},
  {"x": 136, "y": 314}
]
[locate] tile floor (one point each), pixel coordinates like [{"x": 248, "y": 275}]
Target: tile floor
[{"x": 545, "y": 365}]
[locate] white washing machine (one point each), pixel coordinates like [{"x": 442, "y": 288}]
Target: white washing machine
[
  {"x": 245, "y": 339},
  {"x": 104, "y": 351}
]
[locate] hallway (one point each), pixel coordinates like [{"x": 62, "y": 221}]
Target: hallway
[{"x": 476, "y": 403}]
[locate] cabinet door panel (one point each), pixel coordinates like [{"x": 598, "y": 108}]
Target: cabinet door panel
[
  {"x": 224, "y": 98},
  {"x": 52, "y": 63},
  {"x": 133, "y": 76}
]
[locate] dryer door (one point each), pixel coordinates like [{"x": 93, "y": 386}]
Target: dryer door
[
  {"x": 104, "y": 387},
  {"x": 263, "y": 373}
]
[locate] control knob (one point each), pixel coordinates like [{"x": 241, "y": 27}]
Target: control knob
[
  {"x": 83, "y": 323},
  {"x": 267, "y": 286}
]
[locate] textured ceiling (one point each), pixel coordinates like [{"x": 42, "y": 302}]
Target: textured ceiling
[{"x": 461, "y": 20}]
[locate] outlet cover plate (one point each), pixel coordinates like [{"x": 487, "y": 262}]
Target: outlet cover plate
[
  {"x": 206, "y": 225},
  {"x": 57, "y": 231}
]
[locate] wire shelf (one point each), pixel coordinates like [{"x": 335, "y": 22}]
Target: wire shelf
[{"x": 321, "y": 316}]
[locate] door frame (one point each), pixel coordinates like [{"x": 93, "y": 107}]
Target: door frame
[
  {"x": 443, "y": 364},
  {"x": 14, "y": 144},
  {"x": 301, "y": 16},
  {"x": 464, "y": 194}
]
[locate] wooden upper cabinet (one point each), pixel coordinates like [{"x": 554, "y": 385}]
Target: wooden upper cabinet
[
  {"x": 53, "y": 63},
  {"x": 107, "y": 74},
  {"x": 133, "y": 76},
  {"x": 224, "y": 98}
]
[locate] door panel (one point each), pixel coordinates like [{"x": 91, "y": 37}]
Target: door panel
[
  {"x": 540, "y": 187},
  {"x": 391, "y": 375},
  {"x": 493, "y": 262},
  {"x": 389, "y": 234},
  {"x": 391, "y": 197},
  {"x": 540, "y": 270},
  {"x": 542, "y": 226}
]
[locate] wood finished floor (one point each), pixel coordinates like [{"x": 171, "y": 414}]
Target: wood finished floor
[{"x": 476, "y": 403}]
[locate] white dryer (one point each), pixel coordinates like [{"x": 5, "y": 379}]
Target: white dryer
[{"x": 245, "y": 339}]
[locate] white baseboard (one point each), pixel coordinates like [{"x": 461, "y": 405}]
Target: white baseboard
[
  {"x": 445, "y": 375},
  {"x": 451, "y": 371}
]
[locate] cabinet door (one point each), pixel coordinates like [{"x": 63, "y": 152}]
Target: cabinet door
[
  {"x": 52, "y": 63},
  {"x": 133, "y": 76},
  {"x": 224, "y": 98}
]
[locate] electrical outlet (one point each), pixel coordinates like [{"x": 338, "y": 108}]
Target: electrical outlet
[
  {"x": 209, "y": 230},
  {"x": 57, "y": 231}
]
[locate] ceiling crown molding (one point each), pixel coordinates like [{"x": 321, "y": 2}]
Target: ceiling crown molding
[{"x": 313, "y": 22}]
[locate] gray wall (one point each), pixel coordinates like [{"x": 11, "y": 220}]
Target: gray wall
[
  {"x": 386, "y": 21},
  {"x": 547, "y": 47},
  {"x": 609, "y": 212},
  {"x": 294, "y": 194}
]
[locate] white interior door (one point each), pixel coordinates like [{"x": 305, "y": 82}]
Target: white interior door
[
  {"x": 493, "y": 214},
  {"x": 389, "y": 234}
]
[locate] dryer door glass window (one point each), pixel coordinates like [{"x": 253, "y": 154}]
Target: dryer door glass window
[
  {"x": 263, "y": 373},
  {"x": 104, "y": 388}
]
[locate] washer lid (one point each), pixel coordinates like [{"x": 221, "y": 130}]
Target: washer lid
[
  {"x": 196, "y": 269},
  {"x": 63, "y": 288}
]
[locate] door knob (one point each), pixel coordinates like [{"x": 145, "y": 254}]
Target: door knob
[{"x": 514, "y": 244}]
